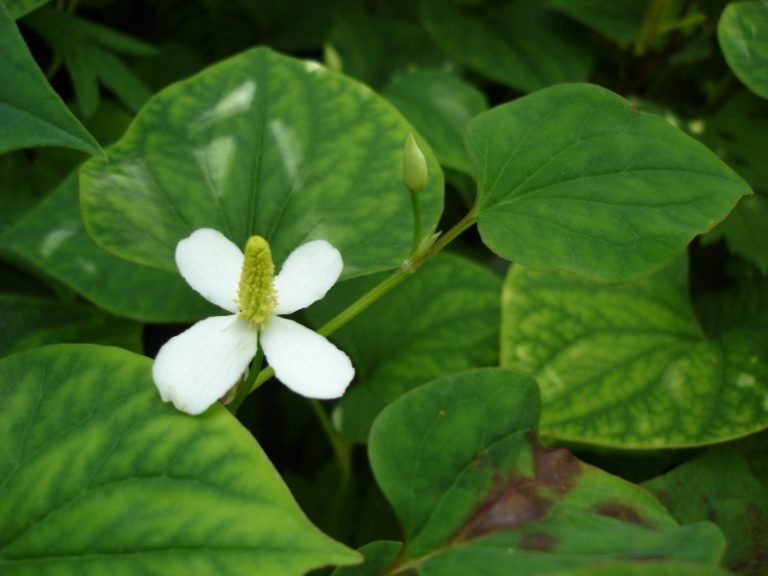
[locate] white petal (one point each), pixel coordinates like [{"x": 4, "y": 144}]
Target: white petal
[
  {"x": 305, "y": 361},
  {"x": 197, "y": 367},
  {"x": 307, "y": 275},
  {"x": 211, "y": 264}
]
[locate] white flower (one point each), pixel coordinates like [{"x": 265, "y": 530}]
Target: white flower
[{"x": 196, "y": 368}]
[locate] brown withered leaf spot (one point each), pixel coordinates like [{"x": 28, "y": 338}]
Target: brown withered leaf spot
[
  {"x": 514, "y": 500},
  {"x": 623, "y": 512},
  {"x": 538, "y": 541}
]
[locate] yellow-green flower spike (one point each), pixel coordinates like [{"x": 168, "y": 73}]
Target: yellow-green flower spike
[{"x": 256, "y": 290}]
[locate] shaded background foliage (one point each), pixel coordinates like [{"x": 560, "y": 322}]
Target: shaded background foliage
[{"x": 440, "y": 63}]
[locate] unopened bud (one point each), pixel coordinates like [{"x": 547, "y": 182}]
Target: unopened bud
[
  {"x": 414, "y": 165},
  {"x": 332, "y": 58}
]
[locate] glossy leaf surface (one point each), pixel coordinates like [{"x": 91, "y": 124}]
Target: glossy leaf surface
[{"x": 260, "y": 144}]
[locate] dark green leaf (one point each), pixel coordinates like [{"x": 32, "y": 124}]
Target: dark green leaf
[
  {"x": 378, "y": 555},
  {"x": 20, "y": 188},
  {"x": 52, "y": 238},
  {"x": 477, "y": 494},
  {"x": 628, "y": 366},
  {"x": 19, "y": 8},
  {"x": 737, "y": 133},
  {"x": 720, "y": 486},
  {"x": 745, "y": 231},
  {"x": 743, "y": 35},
  {"x": 375, "y": 49},
  {"x": 31, "y": 322},
  {"x": 99, "y": 476},
  {"x": 31, "y": 113},
  {"x": 442, "y": 320},
  {"x": 744, "y": 304},
  {"x": 87, "y": 50},
  {"x": 439, "y": 105},
  {"x": 291, "y": 25},
  {"x": 520, "y": 44},
  {"x": 619, "y": 21},
  {"x": 261, "y": 144},
  {"x": 574, "y": 178}
]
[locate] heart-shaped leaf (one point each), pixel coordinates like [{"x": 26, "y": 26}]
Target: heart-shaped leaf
[
  {"x": 52, "y": 238},
  {"x": 476, "y": 493},
  {"x": 442, "y": 320},
  {"x": 261, "y": 144},
  {"x": 628, "y": 366},
  {"x": 99, "y": 476},
  {"x": 743, "y": 35},
  {"x": 574, "y": 178},
  {"x": 31, "y": 113}
]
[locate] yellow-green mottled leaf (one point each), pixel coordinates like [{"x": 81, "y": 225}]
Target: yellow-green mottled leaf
[
  {"x": 98, "y": 476},
  {"x": 261, "y": 144},
  {"x": 628, "y": 366}
]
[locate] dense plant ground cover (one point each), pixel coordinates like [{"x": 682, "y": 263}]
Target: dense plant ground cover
[{"x": 534, "y": 232}]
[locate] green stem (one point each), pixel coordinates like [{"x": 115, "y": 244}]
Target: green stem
[
  {"x": 416, "y": 222},
  {"x": 341, "y": 447},
  {"x": 408, "y": 268},
  {"x": 652, "y": 25},
  {"x": 245, "y": 389},
  {"x": 265, "y": 374}
]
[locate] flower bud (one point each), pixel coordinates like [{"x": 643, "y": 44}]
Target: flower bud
[
  {"x": 332, "y": 58},
  {"x": 414, "y": 165}
]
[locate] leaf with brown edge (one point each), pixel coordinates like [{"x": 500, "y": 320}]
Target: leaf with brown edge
[
  {"x": 477, "y": 494},
  {"x": 516, "y": 500},
  {"x": 724, "y": 485}
]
